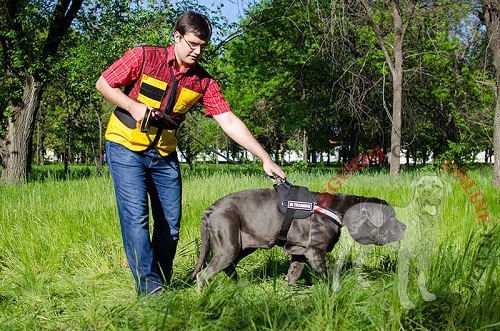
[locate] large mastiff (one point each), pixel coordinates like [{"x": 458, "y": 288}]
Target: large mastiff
[{"x": 239, "y": 223}]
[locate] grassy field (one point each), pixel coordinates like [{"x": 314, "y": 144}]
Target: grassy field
[{"x": 62, "y": 266}]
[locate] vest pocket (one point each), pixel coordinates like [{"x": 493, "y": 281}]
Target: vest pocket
[{"x": 187, "y": 98}]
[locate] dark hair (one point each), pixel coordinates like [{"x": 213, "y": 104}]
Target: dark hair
[{"x": 194, "y": 23}]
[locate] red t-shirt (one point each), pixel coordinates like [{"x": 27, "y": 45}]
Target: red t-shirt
[{"x": 127, "y": 69}]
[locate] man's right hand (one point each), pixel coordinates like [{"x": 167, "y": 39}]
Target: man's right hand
[
  {"x": 116, "y": 96},
  {"x": 138, "y": 110}
]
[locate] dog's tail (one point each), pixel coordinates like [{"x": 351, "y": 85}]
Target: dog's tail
[{"x": 205, "y": 244}]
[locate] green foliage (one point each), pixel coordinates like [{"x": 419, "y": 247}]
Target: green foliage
[
  {"x": 271, "y": 78},
  {"x": 20, "y": 48},
  {"x": 55, "y": 172},
  {"x": 206, "y": 131},
  {"x": 73, "y": 114},
  {"x": 317, "y": 68},
  {"x": 305, "y": 69}
]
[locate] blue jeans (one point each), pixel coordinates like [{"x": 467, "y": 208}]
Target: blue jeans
[{"x": 137, "y": 175}]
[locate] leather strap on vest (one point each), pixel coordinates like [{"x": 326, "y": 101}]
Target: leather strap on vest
[
  {"x": 125, "y": 117},
  {"x": 168, "y": 108}
]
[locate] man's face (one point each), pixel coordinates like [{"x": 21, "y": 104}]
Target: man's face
[{"x": 188, "y": 48}]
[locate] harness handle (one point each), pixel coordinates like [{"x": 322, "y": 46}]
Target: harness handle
[{"x": 282, "y": 181}]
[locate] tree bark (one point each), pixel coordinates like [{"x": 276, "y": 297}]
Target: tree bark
[
  {"x": 17, "y": 145},
  {"x": 101, "y": 147},
  {"x": 491, "y": 16},
  {"x": 397, "y": 102},
  {"x": 305, "y": 148}
]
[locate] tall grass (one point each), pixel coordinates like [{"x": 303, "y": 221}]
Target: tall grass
[{"x": 62, "y": 265}]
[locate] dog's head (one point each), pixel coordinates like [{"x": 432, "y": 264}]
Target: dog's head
[
  {"x": 373, "y": 222},
  {"x": 427, "y": 194}
]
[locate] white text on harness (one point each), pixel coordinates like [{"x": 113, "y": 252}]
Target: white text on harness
[{"x": 300, "y": 205}]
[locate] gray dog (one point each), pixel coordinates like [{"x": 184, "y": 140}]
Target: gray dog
[{"x": 239, "y": 223}]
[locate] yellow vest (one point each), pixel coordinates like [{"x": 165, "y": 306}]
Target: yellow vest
[{"x": 152, "y": 88}]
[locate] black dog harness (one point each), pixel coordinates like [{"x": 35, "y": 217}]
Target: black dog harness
[{"x": 297, "y": 202}]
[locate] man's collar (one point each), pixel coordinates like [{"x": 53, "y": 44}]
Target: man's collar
[
  {"x": 170, "y": 53},
  {"x": 171, "y": 60}
]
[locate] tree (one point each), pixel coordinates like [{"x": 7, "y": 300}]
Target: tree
[
  {"x": 447, "y": 113},
  {"x": 101, "y": 33},
  {"x": 491, "y": 17},
  {"x": 279, "y": 78},
  {"x": 29, "y": 40},
  {"x": 395, "y": 63}
]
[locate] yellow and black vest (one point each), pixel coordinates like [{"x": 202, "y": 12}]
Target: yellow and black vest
[{"x": 154, "y": 85}]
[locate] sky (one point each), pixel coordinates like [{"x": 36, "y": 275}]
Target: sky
[{"x": 232, "y": 9}]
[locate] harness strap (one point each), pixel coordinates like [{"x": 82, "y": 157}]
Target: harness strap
[
  {"x": 328, "y": 213},
  {"x": 289, "y": 216},
  {"x": 123, "y": 115},
  {"x": 297, "y": 202}
]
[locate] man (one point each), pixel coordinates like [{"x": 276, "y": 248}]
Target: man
[{"x": 160, "y": 85}]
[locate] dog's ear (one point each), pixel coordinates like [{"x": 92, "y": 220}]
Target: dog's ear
[
  {"x": 377, "y": 218},
  {"x": 447, "y": 187},
  {"x": 373, "y": 214},
  {"x": 365, "y": 214},
  {"x": 414, "y": 184}
]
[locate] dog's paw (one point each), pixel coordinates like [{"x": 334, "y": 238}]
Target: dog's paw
[
  {"x": 407, "y": 303},
  {"x": 365, "y": 283},
  {"x": 200, "y": 282},
  {"x": 336, "y": 287},
  {"x": 427, "y": 296}
]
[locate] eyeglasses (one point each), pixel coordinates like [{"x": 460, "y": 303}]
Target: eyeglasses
[{"x": 194, "y": 46}]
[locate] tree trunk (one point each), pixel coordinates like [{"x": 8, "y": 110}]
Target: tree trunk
[
  {"x": 305, "y": 148},
  {"x": 396, "y": 68},
  {"x": 496, "y": 135},
  {"x": 100, "y": 160},
  {"x": 491, "y": 11},
  {"x": 39, "y": 146},
  {"x": 281, "y": 154},
  {"x": 397, "y": 102},
  {"x": 17, "y": 145}
]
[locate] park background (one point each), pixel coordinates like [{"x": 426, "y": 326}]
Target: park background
[{"x": 313, "y": 80}]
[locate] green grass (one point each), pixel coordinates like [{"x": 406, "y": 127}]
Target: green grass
[{"x": 62, "y": 265}]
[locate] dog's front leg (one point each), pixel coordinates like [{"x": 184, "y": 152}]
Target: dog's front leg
[
  {"x": 423, "y": 268},
  {"x": 231, "y": 272},
  {"x": 295, "y": 270},
  {"x": 345, "y": 247},
  {"x": 403, "y": 274},
  {"x": 318, "y": 263}
]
